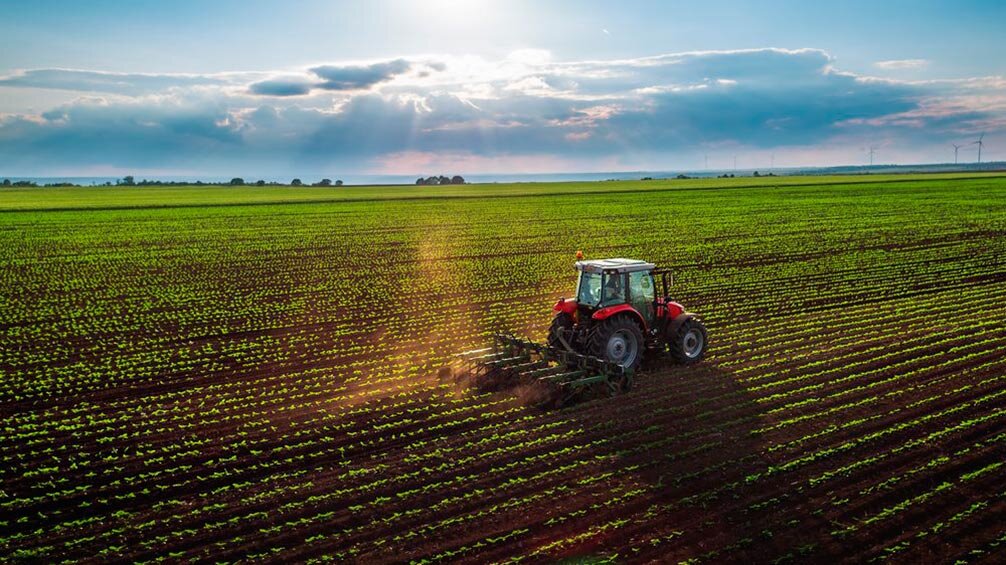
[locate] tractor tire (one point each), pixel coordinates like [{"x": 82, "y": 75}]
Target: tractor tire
[
  {"x": 562, "y": 324},
  {"x": 688, "y": 344},
  {"x": 618, "y": 340}
]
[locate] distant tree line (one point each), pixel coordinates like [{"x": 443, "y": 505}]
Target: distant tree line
[
  {"x": 130, "y": 180},
  {"x": 456, "y": 179},
  {"x": 238, "y": 181},
  {"x": 7, "y": 183}
]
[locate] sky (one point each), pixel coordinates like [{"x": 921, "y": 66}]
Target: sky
[{"x": 268, "y": 88}]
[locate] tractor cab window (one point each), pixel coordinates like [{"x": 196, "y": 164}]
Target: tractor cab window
[
  {"x": 595, "y": 289},
  {"x": 588, "y": 290},
  {"x": 642, "y": 294},
  {"x": 614, "y": 289}
]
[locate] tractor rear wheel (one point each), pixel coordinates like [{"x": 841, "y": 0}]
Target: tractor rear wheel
[
  {"x": 562, "y": 325},
  {"x": 688, "y": 344},
  {"x": 618, "y": 340}
]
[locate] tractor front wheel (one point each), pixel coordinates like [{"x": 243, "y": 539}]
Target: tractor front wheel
[
  {"x": 618, "y": 340},
  {"x": 561, "y": 329},
  {"x": 688, "y": 344}
]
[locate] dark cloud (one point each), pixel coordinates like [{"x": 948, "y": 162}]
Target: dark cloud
[
  {"x": 280, "y": 87},
  {"x": 342, "y": 78},
  {"x": 142, "y": 134},
  {"x": 359, "y": 77},
  {"x": 760, "y": 113}
]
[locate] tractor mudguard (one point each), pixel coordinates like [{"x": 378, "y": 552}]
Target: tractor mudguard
[
  {"x": 674, "y": 309},
  {"x": 605, "y": 313},
  {"x": 567, "y": 305},
  {"x": 667, "y": 310},
  {"x": 676, "y": 322}
]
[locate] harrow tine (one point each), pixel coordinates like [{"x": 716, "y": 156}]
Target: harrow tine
[
  {"x": 484, "y": 359},
  {"x": 506, "y": 361},
  {"x": 543, "y": 372},
  {"x": 524, "y": 367},
  {"x": 473, "y": 352},
  {"x": 562, "y": 378}
]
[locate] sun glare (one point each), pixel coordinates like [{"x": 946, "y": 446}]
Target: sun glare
[{"x": 455, "y": 14}]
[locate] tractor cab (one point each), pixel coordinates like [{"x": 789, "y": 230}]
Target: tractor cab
[{"x": 607, "y": 283}]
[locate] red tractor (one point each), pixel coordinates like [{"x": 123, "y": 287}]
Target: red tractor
[
  {"x": 598, "y": 339},
  {"x": 618, "y": 317}
]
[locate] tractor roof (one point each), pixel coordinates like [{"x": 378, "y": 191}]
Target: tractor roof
[{"x": 614, "y": 266}]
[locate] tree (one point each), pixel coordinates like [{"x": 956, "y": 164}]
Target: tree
[
  {"x": 432, "y": 181},
  {"x": 338, "y": 182},
  {"x": 6, "y": 182},
  {"x": 128, "y": 180},
  {"x": 260, "y": 183},
  {"x": 756, "y": 174},
  {"x": 457, "y": 179},
  {"x": 296, "y": 182},
  {"x": 237, "y": 181},
  {"x": 324, "y": 182},
  {"x": 420, "y": 181}
]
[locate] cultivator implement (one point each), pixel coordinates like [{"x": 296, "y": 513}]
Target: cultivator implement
[{"x": 561, "y": 374}]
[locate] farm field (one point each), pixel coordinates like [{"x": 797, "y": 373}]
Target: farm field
[{"x": 237, "y": 374}]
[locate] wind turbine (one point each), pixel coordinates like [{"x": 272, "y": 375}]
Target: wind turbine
[
  {"x": 956, "y": 148},
  {"x": 979, "y": 143},
  {"x": 872, "y": 151}
]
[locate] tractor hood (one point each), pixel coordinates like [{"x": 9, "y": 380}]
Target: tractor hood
[{"x": 567, "y": 305}]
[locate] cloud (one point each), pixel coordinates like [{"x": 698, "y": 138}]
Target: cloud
[
  {"x": 132, "y": 84},
  {"x": 325, "y": 77},
  {"x": 527, "y": 110},
  {"x": 93, "y": 131},
  {"x": 530, "y": 56},
  {"x": 281, "y": 87},
  {"x": 358, "y": 77},
  {"x": 343, "y": 78},
  {"x": 901, "y": 64}
]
